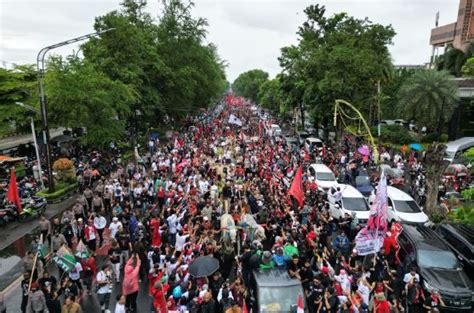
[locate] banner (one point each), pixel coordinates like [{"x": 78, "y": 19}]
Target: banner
[
  {"x": 370, "y": 238},
  {"x": 234, "y": 120}
]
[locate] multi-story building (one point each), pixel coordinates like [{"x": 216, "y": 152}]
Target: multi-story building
[{"x": 460, "y": 33}]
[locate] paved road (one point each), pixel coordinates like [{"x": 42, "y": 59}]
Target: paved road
[{"x": 13, "y": 141}]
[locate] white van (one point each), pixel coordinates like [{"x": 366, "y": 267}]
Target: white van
[
  {"x": 352, "y": 202},
  {"x": 456, "y": 148},
  {"x": 403, "y": 208},
  {"x": 323, "y": 176}
]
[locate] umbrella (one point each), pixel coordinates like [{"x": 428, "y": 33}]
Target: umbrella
[
  {"x": 364, "y": 150},
  {"x": 416, "y": 146},
  {"x": 203, "y": 266}
]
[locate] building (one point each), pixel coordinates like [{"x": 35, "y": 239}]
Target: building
[{"x": 460, "y": 33}]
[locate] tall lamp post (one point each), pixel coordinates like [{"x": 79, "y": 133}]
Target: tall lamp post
[
  {"x": 33, "y": 133},
  {"x": 43, "y": 101}
]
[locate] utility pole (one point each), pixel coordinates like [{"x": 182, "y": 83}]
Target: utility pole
[
  {"x": 302, "y": 114},
  {"x": 378, "y": 108},
  {"x": 44, "y": 103}
]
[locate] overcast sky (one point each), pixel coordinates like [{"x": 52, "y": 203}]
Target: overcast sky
[{"x": 248, "y": 33}]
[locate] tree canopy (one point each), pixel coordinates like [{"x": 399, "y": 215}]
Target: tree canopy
[
  {"x": 428, "y": 95},
  {"x": 248, "y": 84},
  {"x": 337, "y": 57}
]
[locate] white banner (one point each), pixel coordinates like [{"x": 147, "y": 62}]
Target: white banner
[{"x": 234, "y": 120}]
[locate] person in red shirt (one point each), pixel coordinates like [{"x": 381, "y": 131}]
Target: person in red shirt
[{"x": 381, "y": 304}]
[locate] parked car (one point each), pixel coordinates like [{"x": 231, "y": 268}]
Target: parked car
[
  {"x": 403, "y": 208},
  {"x": 438, "y": 267},
  {"x": 276, "y": 291},
  {"x": 456, "y": 148},
  {"x": 323, "y": 176},
  {"x": 353, "y": 202},
  {"x": 460, "y": 239},
  {"x": 302, "y": 135},
  {"x": 312, "y": 143}
]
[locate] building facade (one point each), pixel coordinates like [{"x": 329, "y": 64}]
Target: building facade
[{"x": 460, "y": 33}]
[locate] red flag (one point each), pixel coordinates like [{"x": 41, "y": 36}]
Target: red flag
[
  {"x": 296, "y": 189},
  {"x": 244, "y": 310},
  {"x": 13, "y": 194},
  {"x": 300, "y": 308}
]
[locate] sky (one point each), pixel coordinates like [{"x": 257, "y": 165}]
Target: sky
[{"x": 248, "y": 33}]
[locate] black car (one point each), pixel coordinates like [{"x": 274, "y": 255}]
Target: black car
[
  {"x": 460, "y": 239},
  {"x": 438, "y": 267}
]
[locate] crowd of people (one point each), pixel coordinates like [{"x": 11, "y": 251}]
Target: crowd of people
[{"x": 149, "y": 220}]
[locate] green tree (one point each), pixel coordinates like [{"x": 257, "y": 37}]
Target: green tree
[
  {"x": 269, "y": 95},
  {"x": 337, "y": 57},
  {"x": 248, "y": 84},
  {"x": 81, "y": 96},
  {"x": 454, "y": 59},
  {"x": 428, "y": 96},
  {"x": 468, "y": 68},
  {"x": 17, "y": 85}
]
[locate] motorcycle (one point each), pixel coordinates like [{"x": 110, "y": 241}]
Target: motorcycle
[
  {"x": 33, "y": 208},
  {"x": 8, "y": 213}
]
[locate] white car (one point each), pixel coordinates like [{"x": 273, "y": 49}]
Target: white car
[
  {"x": 312, "y": 142},
  {"x": 403, "y": 208},
  {"x": 323, "y": 176},
  {"x": 352, "y": 202}
]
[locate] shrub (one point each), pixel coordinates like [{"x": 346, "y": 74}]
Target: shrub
[
  {"x": 65, "y": 169},
  {"x": 434, "y": 137},
  {"x": 394, "y": 134},
  {"x": 468, "y": 194},
  {"x": 60, "y": 189},
  {"x": 463, "y": 215}
]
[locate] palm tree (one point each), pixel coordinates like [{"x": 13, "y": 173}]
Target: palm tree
[{"x": 429, "y": 97}]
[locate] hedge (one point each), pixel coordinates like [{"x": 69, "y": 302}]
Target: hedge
[{"x": 60, "y": 189}]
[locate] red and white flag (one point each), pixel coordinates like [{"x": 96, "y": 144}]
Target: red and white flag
[{"x": 370, "y": 238}]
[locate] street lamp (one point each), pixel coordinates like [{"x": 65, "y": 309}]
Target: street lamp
[
  {"x": 43, "y": 101},
  {"x": 33, "y": 132}
]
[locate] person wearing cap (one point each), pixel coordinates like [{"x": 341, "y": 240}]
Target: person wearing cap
[
  {"x": 114, "y": 226},
  {"x": 36, "y": 300}
]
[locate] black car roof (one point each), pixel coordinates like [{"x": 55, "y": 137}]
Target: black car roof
[
  {"x": 424, "y": 237},
  {"x": 463, "y": 232},
  {"x": 274, "y": 278}
]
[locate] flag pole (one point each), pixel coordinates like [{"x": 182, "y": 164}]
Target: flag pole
[{"x": 34, "y": 265}]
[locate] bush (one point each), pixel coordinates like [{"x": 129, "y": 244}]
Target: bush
[
  {"x": 60, "y": 189},
  {"x": 434, "y": 137},
  {"x": 65, "y": 169},
  {"x": 393, "y": 134},
  {"x": 463, "y": 215},
  {"x": 468, "y": 194}
]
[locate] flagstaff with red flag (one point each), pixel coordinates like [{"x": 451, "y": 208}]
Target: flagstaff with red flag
[
  {"x": 13, "y": 194},
  {"x": 296, "y": 189}
]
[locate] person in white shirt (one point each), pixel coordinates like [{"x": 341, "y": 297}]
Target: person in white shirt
[
  {"x": 104, "y": 285},
  {"x": 408, "y": 278},
  {"x": 114, "y": 227},
  {"x": 180, "y": 241},
  {"x": 100, "y": 223},
  {"x": 120, "y": 305}
]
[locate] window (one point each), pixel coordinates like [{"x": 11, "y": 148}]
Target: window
[
  {"x": 438, "y": 259},
  {"x": 312, "y": 172},
  {"x": 355, "y": 204},
  {"x": 407, "y": 206},
  {"x": 325, "y": 176}
]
